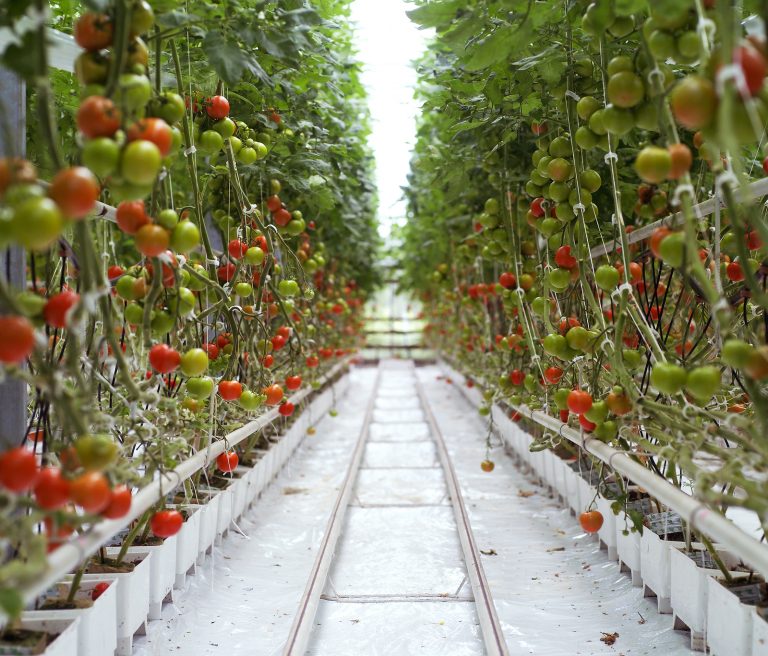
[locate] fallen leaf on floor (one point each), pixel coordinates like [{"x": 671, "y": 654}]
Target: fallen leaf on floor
[
  {"x": 490, "y": 552},
  {"x": 354, "y": 621},
  {"x": 525, "y": 493},
  {"x": 609, "y": 638},
  {"x": 560, "y": 532},
  {"x": 293, "y": 490},
  {"x": 555, "y": 549},
  {"x": 641, "y": 620}
]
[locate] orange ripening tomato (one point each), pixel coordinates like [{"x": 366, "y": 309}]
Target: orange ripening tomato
[{"x": 591, "y": 520}]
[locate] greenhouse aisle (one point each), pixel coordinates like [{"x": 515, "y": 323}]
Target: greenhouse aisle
[
  {"x": 242, "y": 600},
  {"x": 398, "y": 584},
  {"x": 555, "y": 591}
]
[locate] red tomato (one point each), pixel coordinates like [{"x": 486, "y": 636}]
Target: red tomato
[
  {"x": 517, "y": 377},
  {"x": 587, "y": 425},
  {"x": 99, "y": 589},
  {"x": 119, "y": 503},
  {"x": 286, "y": 409},
  {"x": 75, "y": 190},
  {"x": 508, "y": 280},
  {"x": 98, "y": 117},
  {"x": 553, "y": 375},
  {"x": 312, "y": 361},
  {"x": 211, "y": 349},
  {"x": 131, "y": 216},
  {"x": 91, "y": 492},
  {"x": 230, "y": 390},
  {"x": 282, "y": 218},
  {"x": 18, "y": 469},
  {"x": 293, "y": 382},
  {"x": 225, "y": 272},
  {"x": 734, "y": 272},
  {"x": 579, "y": 401},
  {"x": 285, "y": 331},
  {"x": 591, "y": 521},
  {"x": 58, "y": 306},
  {"x": 51, "y": 489},
  {"x": 227, "y": 461},
  {"x": 151, "y": 240},
  {"x": 564, "y": 259},
  {"x": 115, "y": 271},
  {"x": 268, "y": 361},
  {"x": 237, "y": 249},
  {"x": 93, "y": 31},
  {"x": 17, "y": 339},
  {"x": 274, "y": 394},
  {"x": 753, "y": 66},
  {"x": 278, "y": 341},
  {"x": 274, "y": 203},
  {"x": 217, "y": 107},
  {"x": 164, "y": 359},
  {"x": 155, "y": 130},
  {"x": 166, "y": 523}
]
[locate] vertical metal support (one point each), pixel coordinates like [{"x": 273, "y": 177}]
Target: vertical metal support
[{"x": 13, "y": 393}]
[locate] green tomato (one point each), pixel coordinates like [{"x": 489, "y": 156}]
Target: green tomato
[
  {"x": 101, "y": 155},
  {"x": 704, "y": 382},
  {"x": 559, "y": 279},
  {"x": 607, "y": 277},
  {"x": 736, "y": 353},
  {"x": 247, "y": 156},
  {"x": 36, "y": 223},
  {"x": 194, "y": 362},
  {"x": 668, "y": 377},
  {"x": 31, "y": 304},
  {"x": 554, "y": 344},
  {"x": 194, "y": 282},
  {"x": 530, "y": 383},
  {"x": 577, "y": 338},
  {"x": 296, "y": 227},
  {"x": 254, "y": 256},
  {"x": 126, "y": 287},
  {"x": 140, "y": 163},
  {"x": 251, "y": 401},
  {"x": 243, "y": 289},
  {"x": 200, "y": 387},
  {"x": 632, "y": 358},
  {"x": 540, "y": 306},
  {"x": 211, "y": 142},
  {"x": 162, "y": 322},
  {"x": 288, "y": 288},
  {"x": 133, "y": 92},
  {"x": 185, "y": 236},
  {"x": 225, "y": 127},
  {"x": 185, "y": 300},
  {"x": 96, "y": 452},
  {"x": 598, "y": 412},
  {"x": 672, "y": 249},
  {"x": 168, "y": 219},
  {"x": 169, "y": 106},
  {"x": 134, "y": 314},
  {"x": 561, "y": 398}
]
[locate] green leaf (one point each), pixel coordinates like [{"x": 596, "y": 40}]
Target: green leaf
[
  {"x": 435, "y": 14},
  {"x": 491, "y": 49},
  {"x": 11, "y": 602},
  {"x": 229, "y": 61}
]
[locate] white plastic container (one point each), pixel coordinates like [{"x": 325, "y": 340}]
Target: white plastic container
[
  {"x": 656, "y": 565},
  {"x": 759, "y": 634},
  {"x": 66, "y": 631},
  {"x": 97, "y": 630},
  {"x": 209, "y": 520},
  {"x": 187, "y": 545},
  {"x": 729, "y": 622},
  {"x": 161, "y": 572},
  {"x": 607, "y": 532},
  {"x": 689, "y": 593},
  {"x": 132, "y": 597},
  {"x": 628, "y": 548}
]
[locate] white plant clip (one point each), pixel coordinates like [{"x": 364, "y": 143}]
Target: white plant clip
[
  {"x": 731, "y": 72},
  {"x": 571, "y": 94},
  {"x": 655, "y": 72},
  {"x": 610, "y": 155},
  {"x": 190, "y": 151},
  {"x": 212, "y": 260},
  {"x": 623, "y": 287},
  {"x": 579, "y": 207},
  {"x": 679, "y": 191}
]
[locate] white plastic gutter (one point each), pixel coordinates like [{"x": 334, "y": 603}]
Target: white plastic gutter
[
  {"x": 70, "y": 554},
  {"x": 699, "y": 515},
  {"x": 751, "y": 192}
]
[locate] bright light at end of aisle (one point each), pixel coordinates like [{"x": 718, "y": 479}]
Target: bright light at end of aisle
[{"x": 388, "y": 43}]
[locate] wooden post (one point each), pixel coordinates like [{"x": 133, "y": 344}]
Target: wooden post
[{"x": 13, "y": 393}]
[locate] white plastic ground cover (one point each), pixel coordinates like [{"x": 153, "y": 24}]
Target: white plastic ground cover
[
  {"x": 555, "y": 591},
  {"x": 242, "y": 599},
  {"x": 398, "y": 582}
]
